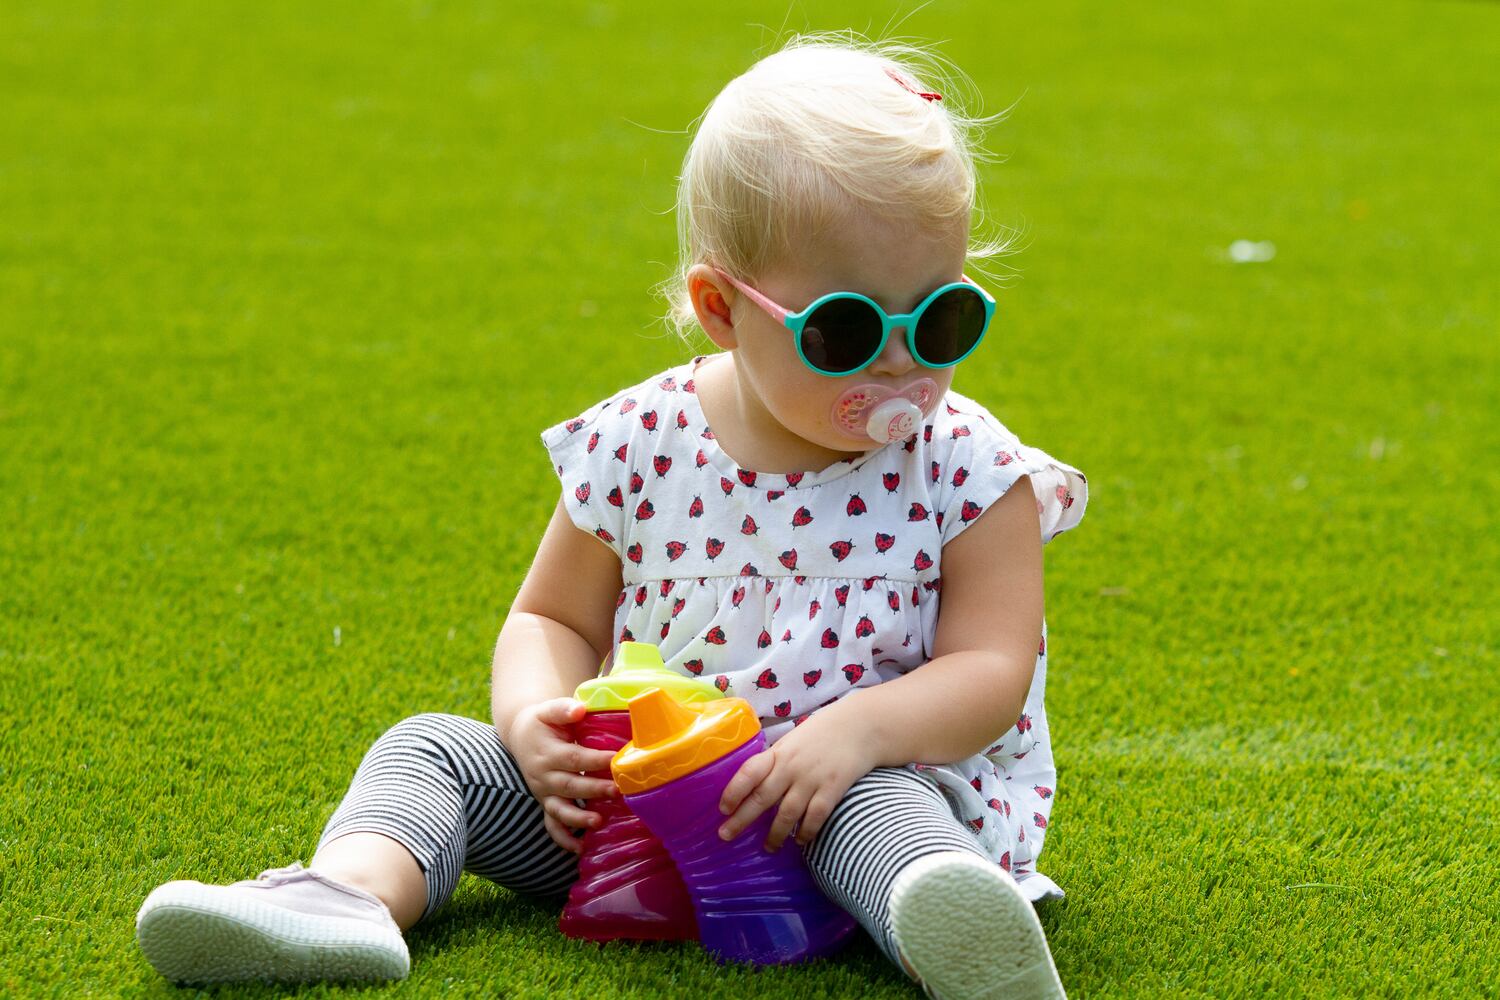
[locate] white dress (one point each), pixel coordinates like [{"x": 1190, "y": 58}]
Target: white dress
[{"x": 791, "y": 590}]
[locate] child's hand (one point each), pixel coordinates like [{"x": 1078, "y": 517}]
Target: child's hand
[
  {"x": 550, "y": 762},
  {"x": 807, "y": 771}
]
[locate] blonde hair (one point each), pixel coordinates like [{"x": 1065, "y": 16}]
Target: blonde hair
[{"x": 811, "y": 134}]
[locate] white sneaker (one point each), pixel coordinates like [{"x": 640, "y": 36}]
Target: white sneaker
[
  {"x": 964, "y": 927},
  {"x": 288, "y": 925}
]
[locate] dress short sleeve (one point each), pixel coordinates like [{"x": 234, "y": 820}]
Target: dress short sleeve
[
  {"x": 583, "y": 452},
  {"x": 981, "y": 459}
]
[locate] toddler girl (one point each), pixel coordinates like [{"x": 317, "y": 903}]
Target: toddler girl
[{"x": 811, "y": 518}]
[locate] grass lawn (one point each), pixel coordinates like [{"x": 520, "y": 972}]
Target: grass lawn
[{"x": 287, "y": 291}]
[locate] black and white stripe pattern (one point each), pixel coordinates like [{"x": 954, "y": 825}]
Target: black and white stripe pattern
[
  {"x": 446, "y": 788},
  {"x": 449, "y": 790}
]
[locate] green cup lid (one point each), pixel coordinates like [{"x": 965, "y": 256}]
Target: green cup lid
[{"x": 638, "y": 668}]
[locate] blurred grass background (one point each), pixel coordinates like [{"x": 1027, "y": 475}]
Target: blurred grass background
[{"x": 287, "y": 290}]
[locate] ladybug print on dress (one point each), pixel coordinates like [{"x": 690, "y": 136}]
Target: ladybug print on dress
[
  {"x": 767, "y": 680},
  {"x": 871, "y": 595}
]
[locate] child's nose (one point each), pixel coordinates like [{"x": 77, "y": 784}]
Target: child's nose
[{"x": 895, "y": 359}]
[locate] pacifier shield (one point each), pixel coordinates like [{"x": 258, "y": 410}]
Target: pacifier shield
[{"x": 855, "y": 411}]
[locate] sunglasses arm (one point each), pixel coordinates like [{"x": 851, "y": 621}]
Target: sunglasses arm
[{"x": 776, "y": 311}]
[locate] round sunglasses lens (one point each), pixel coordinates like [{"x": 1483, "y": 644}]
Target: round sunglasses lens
[
  {"x": 951, "y": 326},
  {"x": 841, "y": 336}
]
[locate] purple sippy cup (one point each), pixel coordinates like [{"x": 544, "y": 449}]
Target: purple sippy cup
[{"x": 752, "y": 905}]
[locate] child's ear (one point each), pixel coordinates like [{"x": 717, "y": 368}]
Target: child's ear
[{"x": 712, "y": 296}]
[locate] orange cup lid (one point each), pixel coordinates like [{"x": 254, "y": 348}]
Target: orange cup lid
[{"x": 673, "y": 740}]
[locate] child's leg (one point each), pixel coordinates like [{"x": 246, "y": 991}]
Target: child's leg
[
  {"x": 894, "y": 856},
  {"x": 437, "y": 795},
  {"x": 434, "y": 795},
  {"x": 888, "y": 819}
]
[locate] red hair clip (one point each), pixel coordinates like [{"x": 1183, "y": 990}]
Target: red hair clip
[{"x": 906, "y": 84}]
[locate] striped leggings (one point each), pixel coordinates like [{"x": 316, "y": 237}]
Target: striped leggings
[{"x": 446, "y": 788}]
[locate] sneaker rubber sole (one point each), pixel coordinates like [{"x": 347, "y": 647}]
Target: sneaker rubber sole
[
  {"x": 969, "y": 932},
  {"x": 191, "y": 932}
]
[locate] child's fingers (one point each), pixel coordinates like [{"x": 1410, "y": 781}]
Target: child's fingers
[
  {"x": 560, "y": 711},
  {"x": 750, "y": 775},
  {"x": 762, "y": 797},
  {"x": 568, "y": 756},
  {"x": 575, "y": 786},
  {"x": 560, "y": 835},
  {"x": 818, "y": 811},
  {"x": 568, "y": 814},
  {"x": 793, "y": 805}
]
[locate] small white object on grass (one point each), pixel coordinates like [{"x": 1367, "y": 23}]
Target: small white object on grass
[
  {"x": 1251, "y": 252},
  {"x": 338, "y": 636}
]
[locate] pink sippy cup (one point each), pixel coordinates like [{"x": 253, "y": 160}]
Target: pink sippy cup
[{"x": 627, "y": 885}]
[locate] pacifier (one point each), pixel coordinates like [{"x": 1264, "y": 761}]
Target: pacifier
[{"x": 882, "y": 413}]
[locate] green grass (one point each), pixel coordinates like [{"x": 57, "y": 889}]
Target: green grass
[{"x": 286, "y": 292}]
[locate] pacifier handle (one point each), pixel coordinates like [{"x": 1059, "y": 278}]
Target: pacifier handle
[{"x": 894, "y": 420}]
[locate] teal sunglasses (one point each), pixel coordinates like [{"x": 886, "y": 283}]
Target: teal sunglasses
[{"x": 842, "y": 332}]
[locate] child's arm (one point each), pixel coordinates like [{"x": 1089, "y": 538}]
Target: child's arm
[
  {"x": 984, "y": 654},
  {"x": 560, "y": 625},
  {"x": 558, "y": 630},
  {"x": 989, "y": 628}
]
